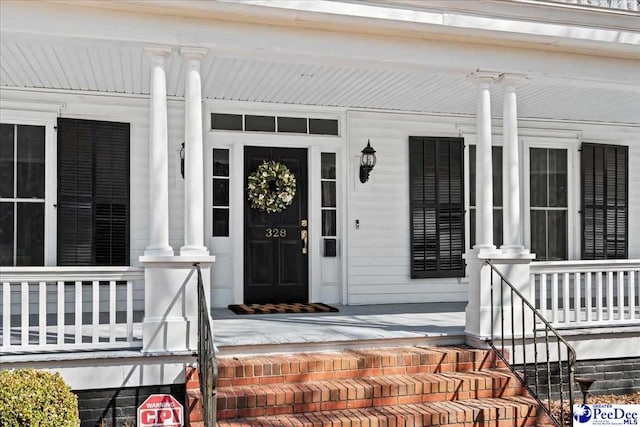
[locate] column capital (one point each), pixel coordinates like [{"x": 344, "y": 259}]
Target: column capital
[
  {"x": 510, "y": 80},
  {"x": 483, "y": 78},
  {"x": 193, "y": 53},
  {"x": 158, "y": 51}
]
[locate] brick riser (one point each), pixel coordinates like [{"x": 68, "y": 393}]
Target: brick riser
[{"x": 409, "y": 386}]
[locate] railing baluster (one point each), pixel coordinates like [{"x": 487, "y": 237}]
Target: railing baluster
[
  {"x": 560, "y": 382},
  {"x": 610, "y": 295},
  {"x": 587, "y": 297},
  {"x": 632, "y": 294},
  {"x": 112, "y": 311},
  {"x": 566, "y": 301},
  {"x": 501, "y": 312},
  {"x": 513, "y": 329},
  {"x": 535, "y": 352},
  {"x": 543, "y": 294},
  {"x": 61, "y": 310},
  {"x": 546, "y": 343},
  {"x": 78, "y": 308},
  {"x": 577, "y": 297},
  {"x": 24, "y": 313},
  {"x": 6, "y": 314},
  {"x": 129, "y": 311},
  {"x": 524, "y": 343},
  {"x": 599, "y": 297},
  {"x": 554, "y": 297},
  {"x": 95, "y": 320},
  {"x": 621, "y": 310},
  {"x": 42, "y": 312}
]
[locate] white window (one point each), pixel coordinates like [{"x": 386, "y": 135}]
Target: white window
[
  {"x": 550, "y": 217},
  {"x": 27, "y": 189}
]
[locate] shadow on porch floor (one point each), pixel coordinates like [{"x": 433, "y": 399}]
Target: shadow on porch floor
[{"x": 353, "y": 326}]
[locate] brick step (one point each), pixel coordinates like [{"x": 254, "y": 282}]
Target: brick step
[
  {"x": 490, "y": 412},
  {"x": 293, "y": 368},
  {"x": 340, "y": 393}
]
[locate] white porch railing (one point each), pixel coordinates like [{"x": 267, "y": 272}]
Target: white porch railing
[
  {"x": 69, "y": 308},
  {"x": 631, "y": 5},
  {"x": 576, "y": 294}
]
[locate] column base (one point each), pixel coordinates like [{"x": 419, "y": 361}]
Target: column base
[
  {"x": 174, "y": 334},
  {"x": 158, "y": 251},
  {"x": 514, "y": 250},
  {"x": 194, "y": 251}
]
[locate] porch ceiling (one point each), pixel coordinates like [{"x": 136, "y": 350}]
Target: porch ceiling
[{"x": 104, "y": 66}]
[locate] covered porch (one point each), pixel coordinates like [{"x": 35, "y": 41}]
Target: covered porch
[{"x": 397, "y": 84}]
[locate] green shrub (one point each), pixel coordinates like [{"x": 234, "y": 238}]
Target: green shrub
[{"x": 36, "y": 398}]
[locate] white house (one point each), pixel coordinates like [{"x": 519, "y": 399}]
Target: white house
[{"x": 502, "y": 129}]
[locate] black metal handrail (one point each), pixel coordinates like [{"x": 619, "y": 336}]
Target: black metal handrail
[
  {"x": 207, "y": 364},
  {"x": 533, "y": 381}
]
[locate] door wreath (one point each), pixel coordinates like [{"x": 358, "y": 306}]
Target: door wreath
[{"x": 271, "y": 187}]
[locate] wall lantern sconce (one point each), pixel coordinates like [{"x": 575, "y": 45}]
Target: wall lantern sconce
[
  {"x": 367, "y": 162},
  {"x": 182, "y": 160}
]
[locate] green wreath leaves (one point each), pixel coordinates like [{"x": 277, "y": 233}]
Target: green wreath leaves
[{"x": 271, "y": 187}]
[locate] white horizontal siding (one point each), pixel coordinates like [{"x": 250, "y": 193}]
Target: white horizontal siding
[{"x": 379, "y": 252}]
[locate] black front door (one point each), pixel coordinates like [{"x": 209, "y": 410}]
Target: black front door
[{"x": 275, "y": 244}]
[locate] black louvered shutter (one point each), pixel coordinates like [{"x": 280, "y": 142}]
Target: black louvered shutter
[
  {"x": 93, "y": 192},
  {"x": 437, "y": 206},
  {"x": 604, "y": 201}
]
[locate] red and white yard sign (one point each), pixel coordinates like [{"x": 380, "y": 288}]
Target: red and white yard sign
[{"x": 161, "y": 410}]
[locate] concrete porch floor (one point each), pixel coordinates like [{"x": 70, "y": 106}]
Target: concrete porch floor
[{"x": 353, "y": 326}]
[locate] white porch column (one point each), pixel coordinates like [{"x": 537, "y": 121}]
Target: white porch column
[
  {"x": 158, "y": 155},
  {"x": 194, "y": 156},
  {"x": 478, "y": 312},
  {"x": 484, "y": 169},
  {"x": 512, "y": 225}
]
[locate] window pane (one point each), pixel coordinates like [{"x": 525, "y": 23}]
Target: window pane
[
  {"x": 472, "y": 227},
  {"x": 220, "y": 192},
  {"x": 558, "y": 178},
  {"x": 328, "y": 165},
  {"x": 292, "y": 124},
  {"x": 328, "y": 223},
  {"x": 30, "y": 234},
  {"x": 497, "y": 227},
  {"x": 220, "y": 162},
  {"x": 538, "y": 177},
  {"x": 226, "y": 121},
  {"x": 472, "y": 175},
  {"x": 6, "y": 234},
  {"x": 328, "y": 194},
  {"x": 539, "y": 234},
  {"x": 221, "y": 222},
  {"x": 496, "y": 161},
  {"x": 31, "y": 161},
  {"x": 323, "y": 127},
  {"x": 260, "y": 123},
  {"x": 6, "y": 160},
  {"x": 557, "y": 235}
]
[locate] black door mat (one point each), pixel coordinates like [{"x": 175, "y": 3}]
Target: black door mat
[{"x": 282, "y": 308}]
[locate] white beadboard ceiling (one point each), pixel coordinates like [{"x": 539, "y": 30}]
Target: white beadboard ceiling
[{"x": 35, "y": 62}]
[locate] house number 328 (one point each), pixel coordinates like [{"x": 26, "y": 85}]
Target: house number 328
[{"x": 275, "y": 232}]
